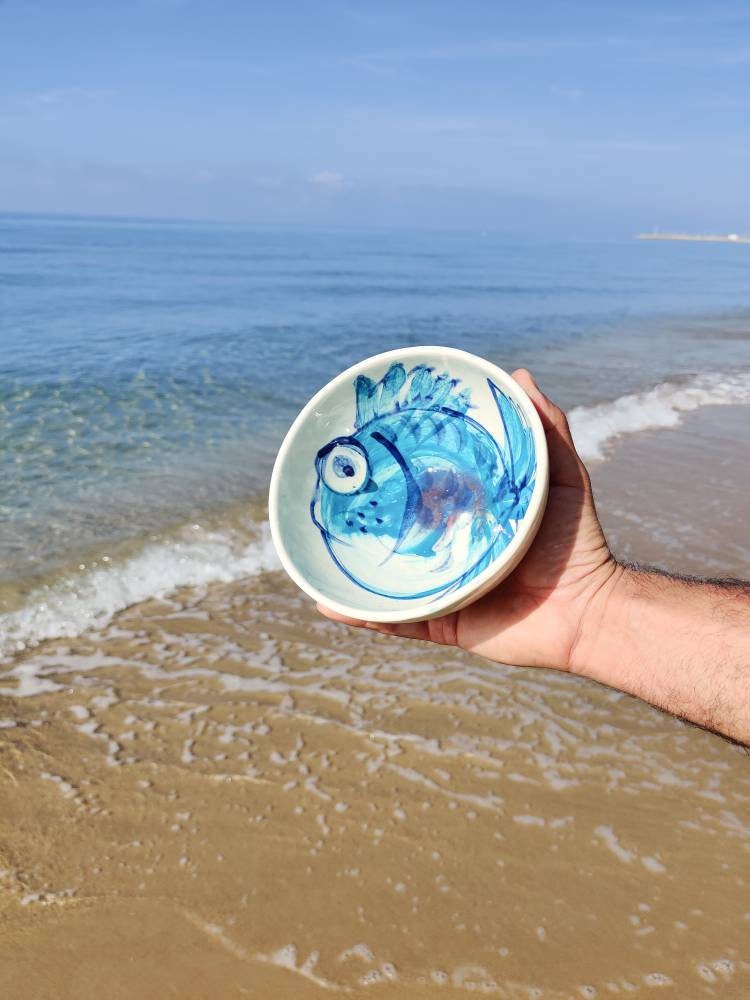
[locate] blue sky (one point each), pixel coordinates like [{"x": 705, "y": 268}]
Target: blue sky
[{"x": 560, "y": 117}]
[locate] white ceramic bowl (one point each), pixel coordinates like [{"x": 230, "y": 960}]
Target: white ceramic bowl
[{"x": 409, "y": 485}]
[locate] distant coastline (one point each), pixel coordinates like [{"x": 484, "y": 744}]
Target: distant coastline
[{"x": 695, "y": 237}]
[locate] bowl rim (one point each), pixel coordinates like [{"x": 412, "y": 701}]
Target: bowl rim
[{"x": 405, "y": 610}]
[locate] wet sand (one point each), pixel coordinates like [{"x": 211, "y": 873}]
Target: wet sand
[
  {"x": 681, "y": 498},
  {"x": 222, "y": 795}
]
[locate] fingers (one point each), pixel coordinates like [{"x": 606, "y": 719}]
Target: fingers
[
  {"x": 566, "y": 468},
  {"x": 409, "y": 630},
  {"x": 336, "y": 617},
  {"x": 551, "y": 416}
]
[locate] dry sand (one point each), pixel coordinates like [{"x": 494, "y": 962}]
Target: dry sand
[{"x": 222, "y": 795}]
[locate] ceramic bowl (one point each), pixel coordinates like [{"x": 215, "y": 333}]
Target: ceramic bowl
[{"x": 409, "y": 485}]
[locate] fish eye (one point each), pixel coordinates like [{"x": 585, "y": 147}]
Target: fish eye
[{"x": 344, "y": 468}]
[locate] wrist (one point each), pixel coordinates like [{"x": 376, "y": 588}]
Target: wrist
[{"x": 600, "y": 623}]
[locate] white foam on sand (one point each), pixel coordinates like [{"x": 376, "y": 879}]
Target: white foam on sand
[
  {"x": 596, "y": 427},
  {"x": 91, "y": 597}
]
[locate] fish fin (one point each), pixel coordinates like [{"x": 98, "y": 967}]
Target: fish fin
[
  {"x": 373, "y": 399},
  {"x": 518, "y": 453},
  {"x": 364, "y": 394},
  {"x": 427, "y": 391},
  {"x": 398, "y": 390}
]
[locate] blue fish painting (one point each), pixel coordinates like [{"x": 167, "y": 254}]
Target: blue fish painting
[{"x": 421, "y": 498}]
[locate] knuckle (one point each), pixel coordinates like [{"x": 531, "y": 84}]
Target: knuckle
[
  {"x": 446, "y": 630},
  {"x": 560, "y": 419}
]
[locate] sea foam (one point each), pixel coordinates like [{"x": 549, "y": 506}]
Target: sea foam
[
  {"x": 90, "y": 598},
  {"x": 595, "y": 428}
]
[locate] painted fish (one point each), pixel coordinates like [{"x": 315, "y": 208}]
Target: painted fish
[{"x": 421, "y": 498}]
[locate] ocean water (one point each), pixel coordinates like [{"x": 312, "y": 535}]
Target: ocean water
[{"x": 148, "y": 372}]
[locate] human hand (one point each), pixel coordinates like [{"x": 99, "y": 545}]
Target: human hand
[{"x": 535, "y": 616}]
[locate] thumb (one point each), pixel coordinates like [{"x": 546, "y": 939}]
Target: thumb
[{"x": 566, "y": 467}]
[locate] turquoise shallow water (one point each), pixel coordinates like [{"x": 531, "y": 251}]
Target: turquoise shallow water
[{"x": 148, "y": 371}]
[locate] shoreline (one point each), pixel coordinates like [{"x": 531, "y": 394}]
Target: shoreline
[{"x": 667, "y": 427}]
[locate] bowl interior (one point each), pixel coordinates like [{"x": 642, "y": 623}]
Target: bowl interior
[{"x": 407, "y": 483}]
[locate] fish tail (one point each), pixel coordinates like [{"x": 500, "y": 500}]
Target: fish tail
[{"x": 517, "y": 452}]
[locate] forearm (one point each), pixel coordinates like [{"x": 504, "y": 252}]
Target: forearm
[{"x": 682, "y": 645}]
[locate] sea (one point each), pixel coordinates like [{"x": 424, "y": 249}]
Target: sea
[
  {"x": 149, "y": 370},
  {"x": 199, "y": 772}
]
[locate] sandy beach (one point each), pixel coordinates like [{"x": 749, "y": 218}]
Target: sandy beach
[
  {"x": 209, "y": 213},
  {"x": 220, "y": 794}
]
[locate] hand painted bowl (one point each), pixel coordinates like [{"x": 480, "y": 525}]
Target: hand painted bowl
[{"x": 409, "y": 485}]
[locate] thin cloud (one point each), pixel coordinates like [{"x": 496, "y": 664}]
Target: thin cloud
[
  {"x": 699, "y": 58},
  {"x": 711, "y": 16},
  {"x": 567, "y": 93},
  {"x": 450, "y": 124},
  {"x": 330, "y": 180},
  {"x": 632, "y": 146},
  {"x": 394, "y": 63},
  {"x": 490, "y": 48},
  {"x": 55, "y": 97},
  {"x": 723, "y": 102}
]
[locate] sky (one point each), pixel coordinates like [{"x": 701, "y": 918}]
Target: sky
[{"x": 564, "y": 118}]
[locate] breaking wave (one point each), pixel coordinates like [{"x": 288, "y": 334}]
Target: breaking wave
[
  {"x": 595, "y": 428},
  {"x": 91, "y": 596}
]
